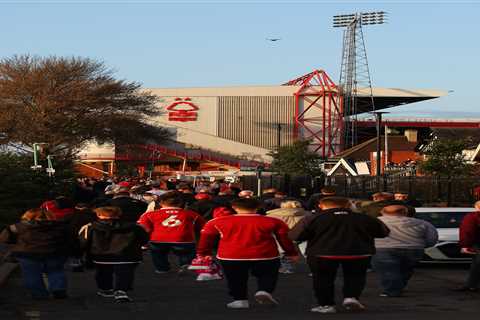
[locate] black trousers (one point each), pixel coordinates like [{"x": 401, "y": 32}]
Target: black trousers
[
  {"x": 473, "y": 280},
  {"x": 237, "y": 273},
  {"x": 325, "y": 271},
  {"x": 115, "y": 276}
]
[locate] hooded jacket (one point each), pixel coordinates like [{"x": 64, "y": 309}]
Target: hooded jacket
[
  {"x": 113, "y": 241},
  {"x": 291, "y": 216},
  {"x": 37, "y": 239},
  {"x": 131, "y": 208},
  {"x": 470, "y": 231},
  {"x": 339, "y": 233}
]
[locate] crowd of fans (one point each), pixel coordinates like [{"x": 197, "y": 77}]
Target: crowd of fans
[{"x": 219, "y": 230}]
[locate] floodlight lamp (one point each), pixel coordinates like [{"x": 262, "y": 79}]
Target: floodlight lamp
[{"x": 365, "y": 18}]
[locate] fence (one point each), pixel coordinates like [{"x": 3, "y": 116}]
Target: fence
[
  {"x": 300, "y": 187},
  {"x": 427, "y": 190}
]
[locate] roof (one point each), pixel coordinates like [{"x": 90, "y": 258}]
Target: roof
[
  {"x": 472, "y": 154},
  {"x": 362, "y": 150},
  {"x": 383, "y": 97},
  {"x": 346, "y": 165},
  {"x": 470, "y": 134}
]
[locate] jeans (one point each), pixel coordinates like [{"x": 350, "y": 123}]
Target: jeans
[
  {"x": 395, "y": 267},
  {"x": 184, "y": 251},
  {"x": 473, "y": 280},
  {"x": 324, "y": 272},
  {"x": 124, "y": 275},
  {"x": 237, "y": 272},
  {"x": 286, "y": 266},
  {"x": 33, "y": 270}
]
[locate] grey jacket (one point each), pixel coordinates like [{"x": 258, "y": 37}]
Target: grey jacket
[
  {"x": 407, "y": 233},
  {"x": 291, "y": 216}
]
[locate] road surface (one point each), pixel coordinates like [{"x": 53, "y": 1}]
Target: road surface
[{"x": 170, "y": 296}]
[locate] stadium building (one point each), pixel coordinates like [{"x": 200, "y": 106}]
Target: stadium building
[{"x": 226, "y": 128}]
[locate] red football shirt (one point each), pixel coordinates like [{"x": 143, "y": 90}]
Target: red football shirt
[
  {"x": 246, "y": 237},
  {"x": 172, "y": 225}
]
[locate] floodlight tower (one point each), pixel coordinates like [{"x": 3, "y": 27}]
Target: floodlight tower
[{"x": 355, "y": 72}]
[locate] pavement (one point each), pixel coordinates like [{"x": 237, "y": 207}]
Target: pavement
[{"x": 173, "y": 296}]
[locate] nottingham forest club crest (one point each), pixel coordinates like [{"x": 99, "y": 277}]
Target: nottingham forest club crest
[{"x": 183, "y": 110}]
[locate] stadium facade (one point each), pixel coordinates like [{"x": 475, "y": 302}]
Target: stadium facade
[{"x": 232, "y": 127}]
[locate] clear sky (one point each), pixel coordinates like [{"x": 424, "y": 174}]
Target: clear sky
[{"x": 426, "y": 44}]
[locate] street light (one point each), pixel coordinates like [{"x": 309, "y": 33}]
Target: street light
[
  {"x": 36, "y": 148},
  {"x": 50, "y": 169},
  {"x": 365, "y": 18},
  {"x": 355, "y": 72},
  {"x": 378, "y": 160}
]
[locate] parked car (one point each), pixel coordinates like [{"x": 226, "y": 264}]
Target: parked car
[{"x": 447, "y": 221}]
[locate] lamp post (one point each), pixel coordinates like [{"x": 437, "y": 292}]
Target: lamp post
[
  {"x": 355, "y": 71},
  {"x": 279, "y": 135},
  {"x": 155, "y": 155},
  {"x": 35, "y": 147},
  {"x": 378, "y": 159}
]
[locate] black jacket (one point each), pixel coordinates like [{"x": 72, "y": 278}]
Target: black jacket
[
  {"x": 203, "y": 207},
  {"x": 339, "y": 232},
  {"x": 113, "y": 241},
  {"x": 188, "y": 198},
  {"x": 75, "y": 222},
  {"x": 37, "y": 239},
  {"x": 132, "y": 209},
  {"x": 224, "y": 200}
]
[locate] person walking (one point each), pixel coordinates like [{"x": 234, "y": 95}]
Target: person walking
[
  {"x": 203, "y": 205},
  {"x": 82, "y": 215},
  {"x": 172, "y": 228},
  {"x": 470, "y": 244},
  {"x": 379, "y": 201},
  {"x": 248, "y": 244},
  {"x": 62, "y": 207},
  {"x": 131, "y": 208},
  {"x": 335, "y": 237},
  {"x": 114, "y": 245},
  {"x": 398, "y": 253},
  {"x": 40, "y": 244},
  {"x": 291, "y": 212},
  {"x": 312, "y": 203}
]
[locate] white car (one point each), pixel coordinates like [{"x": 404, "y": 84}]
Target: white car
[{"x": 447, "y": 221}]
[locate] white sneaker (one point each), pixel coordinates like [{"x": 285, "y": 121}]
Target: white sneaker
[
  {"x": 121, "y": 296},
  {"x": 353, "y": 304},
  {"x": 183, "y": 269},
  {"x": 324, "y": 309},
  {"x": 106, "y": 293},
  {"x": 238, "y": 304},
  {"x": 209, "y": 277},
  {"x": 161, "y": 272},
  {"x": 263, "y": 297},
  {"x": 285, "y": 271}
]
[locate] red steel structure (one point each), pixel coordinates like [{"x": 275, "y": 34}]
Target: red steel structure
[{"x": 318, "y": 112}]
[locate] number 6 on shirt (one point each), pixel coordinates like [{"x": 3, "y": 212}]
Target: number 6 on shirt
[{"x": 171, "y": 222}]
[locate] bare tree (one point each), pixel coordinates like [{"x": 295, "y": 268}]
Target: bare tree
[{"x": 65, "y": 102}]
